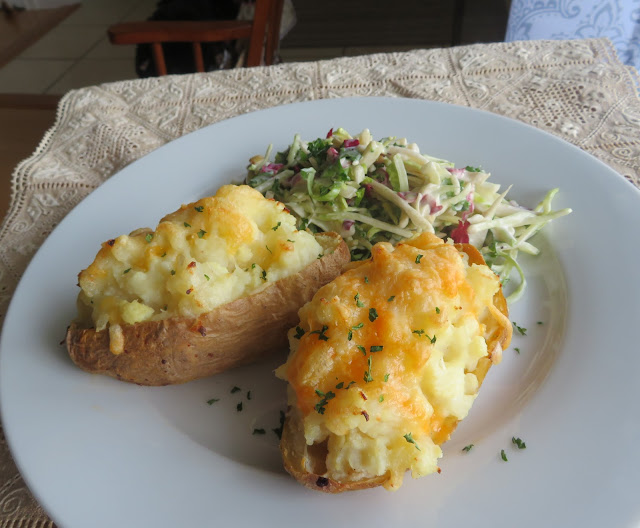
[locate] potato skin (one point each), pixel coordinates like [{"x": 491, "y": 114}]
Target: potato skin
[
  {"x": 308, "y": 467},
  {"x": 177, "y": 350},
  {"x": 303, "y": 466}
]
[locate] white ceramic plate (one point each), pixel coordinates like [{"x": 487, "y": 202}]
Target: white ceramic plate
[{"x": 101, "y": 453}]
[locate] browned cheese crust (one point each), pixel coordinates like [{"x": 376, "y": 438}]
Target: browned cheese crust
[
  {"x": 307, "y": 463},
  {"x": 177, "y": 350}
]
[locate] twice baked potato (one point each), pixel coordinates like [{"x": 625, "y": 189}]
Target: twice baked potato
[
  {"x": 386, "y": 360},
  {"x": 216, "y": 285}
]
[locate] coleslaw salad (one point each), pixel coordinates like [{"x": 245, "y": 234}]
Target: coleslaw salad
[{"x": 371, "y": 191}]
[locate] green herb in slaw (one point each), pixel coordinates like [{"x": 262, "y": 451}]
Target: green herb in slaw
[{"x": 373, "y": 191}]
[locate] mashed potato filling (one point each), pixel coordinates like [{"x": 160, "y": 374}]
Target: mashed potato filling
[
  {"x": 205, "y": 254},
  {"x": 389, "y": 357}
]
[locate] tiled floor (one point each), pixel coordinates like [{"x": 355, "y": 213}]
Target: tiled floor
[{"x": 77, "y": 53}]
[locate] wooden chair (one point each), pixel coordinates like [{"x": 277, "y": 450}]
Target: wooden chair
[{"x": 262, "y": 34}]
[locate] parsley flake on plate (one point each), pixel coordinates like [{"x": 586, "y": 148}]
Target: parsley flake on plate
[{"x": 522, "y": 331}]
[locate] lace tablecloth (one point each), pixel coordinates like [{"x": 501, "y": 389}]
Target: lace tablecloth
[{"x": 578, "y": 90}]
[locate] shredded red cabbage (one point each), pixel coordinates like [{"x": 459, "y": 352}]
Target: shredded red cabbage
[
  {"x": 332, "y": 154},
  {"x": 271, "y": 167},
  {"x": 460, "y": 234}
]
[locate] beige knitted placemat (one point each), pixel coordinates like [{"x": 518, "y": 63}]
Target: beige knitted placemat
[{"x": 577, "y": 90}]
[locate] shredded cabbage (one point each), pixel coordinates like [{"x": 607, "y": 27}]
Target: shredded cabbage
[{"x": 372, "y": 191}]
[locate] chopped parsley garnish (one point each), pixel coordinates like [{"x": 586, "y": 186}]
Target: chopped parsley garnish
[
  {"x": 386, "y": 378},
  {"x": 539, "y": 322},
  {"x": 239, "y": 407},
  {"x": 253, "y": 266},
  {"x": 173, "y": 272},
  {"x": 235, "y": 389},
  {"x": 367, "y": 374},
  {"x": 469, "y": 168},
  {"x": 325, "y": 397},
  {"x": 503, "y": 456},
  {"x": 523, "y": 331},
  {"x": 299, "y": 332},
  {"x": 126, "y": 271},
  {"x": 467, "y": 448},
  {"x": 187, "y": 225},
  {"x": 199, "y": 208},
  {"x": 278, "y": 430},
  {"x": 410, "y": 439},
  {"x": 207, "y": 277},
  {"x": 149, "y": 237},
  {"x": 518, "y": 442},
  {"x": 516, "y": 349},
  {"x": 418, "y": 259},
  {"x": 201, "y": 233},
  {"x": 259, "y": 431},
  {"x": 263, "y": 275},
  {"x": 248, "y": 395},
  {"x": 373, "y": 315},
  {"x": 381, "y": 398},
  {"x": 359, "y": 303},
  {"x": 212, "y": 401},
  {"x": 275, "y": 228},
  {"x": 362, "y": 349},
  {"x": 376, "y": 348},
  {"x": 321, "y": 333},
  {"x": 356, "y": 327},
  {"x": 292, "y": 241},
  {"x": 340, "y": 385},
  {"x": 437, "y": 310},
  {"x": 350, "y": 383},
  {"x": 366, "y": 279},
  {"x": 391, "y": 298},
  {"x": 421, "y": 333},
  {"x": 268, "y": 249},
  {"x": 163, "y": 255},
  {"x": 320, "y": 255}
]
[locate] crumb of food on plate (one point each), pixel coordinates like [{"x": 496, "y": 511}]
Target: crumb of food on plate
[
  {"x": 216, "y": 284},
  {"x": 375, "y": 387}
]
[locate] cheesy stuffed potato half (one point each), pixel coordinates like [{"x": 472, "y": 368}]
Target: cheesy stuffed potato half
[
  {"x": 386, "y": 360},
  {"x": 217, "y": 284}
]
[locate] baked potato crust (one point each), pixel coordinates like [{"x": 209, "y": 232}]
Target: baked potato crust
[
  {"x": 303, "y": 464},
  {"x": 179, "y": 349}
]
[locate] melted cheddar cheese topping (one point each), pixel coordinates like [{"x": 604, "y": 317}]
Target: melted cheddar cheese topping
[
  {"x": 205, "y": 254},
  {"x": 392, "y": 356}
]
